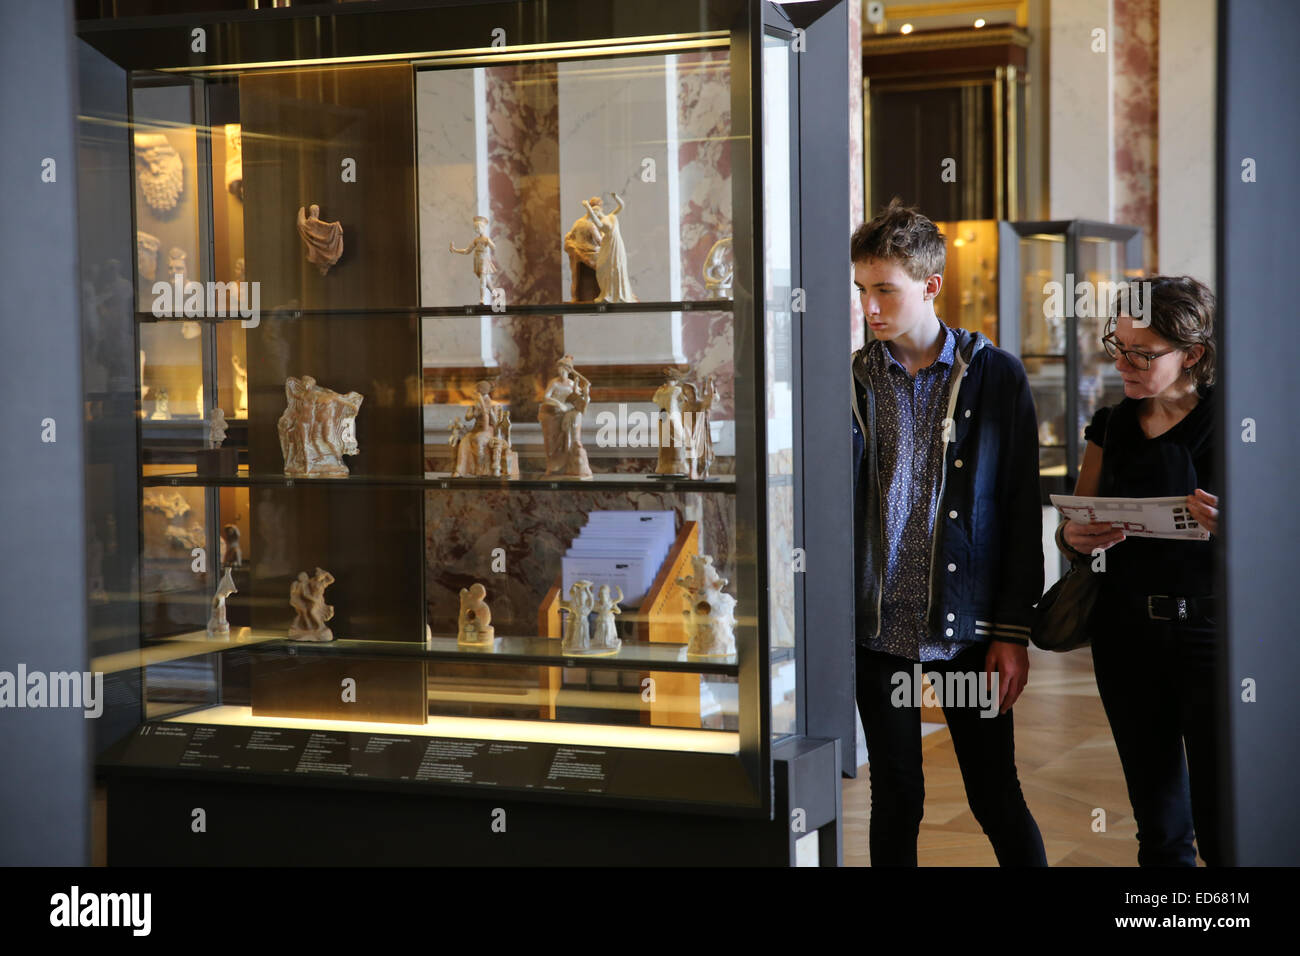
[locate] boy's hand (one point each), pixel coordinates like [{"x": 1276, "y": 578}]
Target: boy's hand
[{"x": 1011, "y": 663}]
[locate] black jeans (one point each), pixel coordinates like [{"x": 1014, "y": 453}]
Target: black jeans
[
  {"x": 1156, "y": 682},
  {"x": 985, "y": 749}
]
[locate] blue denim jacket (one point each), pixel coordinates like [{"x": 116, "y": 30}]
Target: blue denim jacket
[{"x": 986, "y": 558}]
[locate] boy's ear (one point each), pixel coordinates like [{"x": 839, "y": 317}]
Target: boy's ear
[{"x": 933, "y": 284}]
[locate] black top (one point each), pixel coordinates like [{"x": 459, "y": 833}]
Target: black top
[{"x": 1174, "y": 463}]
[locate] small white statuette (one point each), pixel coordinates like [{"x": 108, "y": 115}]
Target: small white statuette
[
  {"x": 161, "y": 411},
  {"x": 317, "y": 429},
  {"x": 482, "y": 439},
  {"x": 577, "y": 622},
  {"x": 605, "y": 635},
  {"x": 146, "y": 251},
  {"x": 475, "y": 621},
  {"x": 307, "y": 597},
  {"x": 673, "y": 439},
  {"x": 481, "y": 248},
  {"x": 232, "y": 556},
  {"x": 218, "y": 626},
  {"x": 710, "y": 612},
  {"x": 560, "y": 414},
  {"x": 719, "y": 270},
  {"x": 611, "y": 260},
  {"x": 241, "y": 386},
  {"x": 216, "y": 427}
]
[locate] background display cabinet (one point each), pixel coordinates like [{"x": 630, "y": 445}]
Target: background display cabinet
[
  {"x": 506, "y": 498},
  {"x": 1046, "y": 269}
]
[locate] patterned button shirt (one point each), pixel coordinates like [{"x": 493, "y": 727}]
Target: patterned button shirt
[{"x": 909, "y": 427}]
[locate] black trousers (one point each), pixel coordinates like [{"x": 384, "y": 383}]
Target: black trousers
[
  {"x": 1157, "y": 683},
  {"x": 985, "y": 749}
]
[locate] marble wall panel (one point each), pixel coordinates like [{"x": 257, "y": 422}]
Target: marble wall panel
[{"x": 1136, "y": 92}]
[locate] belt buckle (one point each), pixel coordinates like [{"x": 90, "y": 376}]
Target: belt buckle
[{"x": 1181, "y": 605}]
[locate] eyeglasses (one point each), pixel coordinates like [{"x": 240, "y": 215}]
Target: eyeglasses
[{"x": 1139, "y": 360}]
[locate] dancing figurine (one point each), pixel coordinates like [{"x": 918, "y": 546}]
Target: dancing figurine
[
  {"x": 307, "y": 597},
  {"x": 475, "y": 624},
  {"x": 481, "y": 248},
  {"x": 216, "y": 427},
  {"x": 605, "y": 636},
  {"x": 324, "y": 240},
  {"x": 218, "y": 626},
  {"x": 577, "y": 626},
  {"x": 611, "y": 260}
]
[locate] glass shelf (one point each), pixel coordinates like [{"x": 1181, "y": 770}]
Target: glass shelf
[
  {"x": 512, "y": 650},
  {"x": 725, "y": 484},
  {"x": 546, "y": 308}
]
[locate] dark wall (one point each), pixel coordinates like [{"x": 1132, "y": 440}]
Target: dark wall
[
  {"x": 45, "y": 752},
  {"x": 1259, "y": 71}
]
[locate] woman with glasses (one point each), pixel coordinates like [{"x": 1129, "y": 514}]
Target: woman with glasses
[{"x": 1154, "y": 637}]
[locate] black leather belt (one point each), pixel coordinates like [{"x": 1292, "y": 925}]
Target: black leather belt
[{"x": 1166, "y": 607}]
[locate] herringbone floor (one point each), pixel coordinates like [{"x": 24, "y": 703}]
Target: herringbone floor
[{"x": 1068, "y": 767}]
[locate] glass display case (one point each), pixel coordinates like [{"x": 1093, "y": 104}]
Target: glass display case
[
  {"x": 1058, "y": 282},
  {"x": 502, "y": 492}
]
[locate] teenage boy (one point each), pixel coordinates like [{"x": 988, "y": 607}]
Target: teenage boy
[{"x": 948, "y": 540}]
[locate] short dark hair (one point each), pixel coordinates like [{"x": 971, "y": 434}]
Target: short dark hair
[
  {"x": 1182, "y": 313},
  {"x": 901, "y": 234}
]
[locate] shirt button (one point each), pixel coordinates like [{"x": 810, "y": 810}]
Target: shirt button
[
  {"x": 948, "y": 632},
  {"x": 952, "y": 617},
  {"x": 968, "y": 413},
  {"x": 957, "y": 463},
  {"x": 952, "y": 567},
  {"x": 952, "y": 514}
]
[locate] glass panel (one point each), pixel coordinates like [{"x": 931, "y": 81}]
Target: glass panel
[
  {"x": 1047, "y": 385},
  {"x": 1042, "y": 260},
  {"x": 1100, "y": 261},
  {"x": 778, "y": 339},
  {"x": 969, "y": 296}
]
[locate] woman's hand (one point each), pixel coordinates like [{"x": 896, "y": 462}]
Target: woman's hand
[
  {"x": 1205, "y": 509},
  {"x": 1086, "y": 536}
]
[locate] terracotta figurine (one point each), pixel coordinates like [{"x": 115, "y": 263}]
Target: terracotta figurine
[{"x": 324, "y": 240}]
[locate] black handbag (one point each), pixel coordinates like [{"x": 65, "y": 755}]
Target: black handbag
[{"x": 1061, "y": 618}]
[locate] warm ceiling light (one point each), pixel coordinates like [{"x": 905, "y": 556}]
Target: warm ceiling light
[
  {"x": 905, "y": 28},
  {"x": 979, "y": 23}
]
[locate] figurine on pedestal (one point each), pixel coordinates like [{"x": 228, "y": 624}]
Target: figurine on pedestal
[
  {"x": 232, "y": 556},
  {"x": 577, "y": 624},
  {"x": 611, "y": 261},
  {"x": 560, "y": 414},
  {"x": 482, "y": 439},
  {"x": 307, "y": 597},
  {"x": 710, "y": 612},
  {"x": 146, "y": 249},
  {"x": 673, "y": 439},
  {"x": 161, "y": 411},
  {"x": 719, "y": 270},
  {"x": 582, "y": 243},
  {"x": 475, "y": 622},
  {"x": 696, "y": 404},
  {"x": 317, "y": 429},
  {"x": 605, "y": 636},
  {"x": 241, "y": 386},
  {"x": 481, "y": 247},
  {"x": 216, "y": 428},
  {"x": 218, "y": 626},
  {"x": 324, "y": 240}
]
